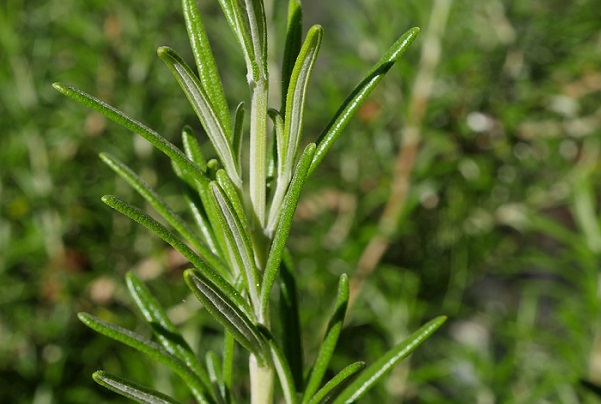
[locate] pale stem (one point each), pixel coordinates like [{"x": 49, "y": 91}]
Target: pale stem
[
  {"x": 258, "y": 146},
  {"x": 261, "y": 382}
]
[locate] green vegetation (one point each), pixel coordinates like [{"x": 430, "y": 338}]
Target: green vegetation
[{"x": 499, "y": 228}]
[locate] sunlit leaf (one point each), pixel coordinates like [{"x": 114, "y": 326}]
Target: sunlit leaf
[
  {"x": 375, "y": 372},
  {"x": 359, "y": 95},
  {"x": 326, "y": 350},
  {"x": 131, "y": 390}
]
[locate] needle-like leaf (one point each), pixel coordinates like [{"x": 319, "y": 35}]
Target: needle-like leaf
[
  {"x": 292, "y": 47},
  {"x": 227, "y": 313},
  {"x": 163, "y": 209},
  {"x": 290, "y": 322},
  {"x": 359, "y": 94},
  {"x": 258, "y": 29},
  {"x": 165, "y": 331},
  {"x": 238, "y": 132},
  {"x": 280, "y": 143},
  {"x": 229, "y": 348},
  {"x": 192, "y": 148},
  {"x": 131, "y": 390},
  {"x": 239, "y": 243},
  {"x": 150, "y": 348},
  {"x": 215, "y": 374},
  {"x": 282, "y": 231},
  {"x": 239, "y": 24},
  {"x": 230, "y": 191},
  {"x": 330, "y": 340},
  {"x": 337, "y": 384},
  {"x": 293, "y": 118},
  {"x": 211, "y": 210},
  {"x": 119, "y": 117},
  {"x": 382, "y": 366},
  {"x": 207, "y": 114},
  {"x": 145, "y": 220},
  {"x": 205, "y": 62},
  {"x": 297, "y": 89}
]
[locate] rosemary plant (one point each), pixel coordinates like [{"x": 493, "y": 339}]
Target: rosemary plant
[{"x": 236, "y": 245}]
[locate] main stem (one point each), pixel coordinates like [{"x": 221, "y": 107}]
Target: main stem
[
  {"x": 261, "y": 377},
  {"x": 261, "y": 382},
  {"x": 258, "y": 146}
]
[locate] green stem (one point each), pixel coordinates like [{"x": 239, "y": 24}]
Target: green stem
[{"x": 258, "y": 146}]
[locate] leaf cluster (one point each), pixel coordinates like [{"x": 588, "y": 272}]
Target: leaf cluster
[{"x": 237, "y": 244}]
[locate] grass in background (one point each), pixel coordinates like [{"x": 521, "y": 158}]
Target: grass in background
[{"x": 499, "y": 231}]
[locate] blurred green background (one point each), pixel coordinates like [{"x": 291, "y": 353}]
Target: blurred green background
[{"x": 500, "y": 229}]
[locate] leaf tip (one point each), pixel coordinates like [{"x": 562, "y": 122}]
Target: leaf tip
[
  {"x": 83, "y": 317},
  {"x": 104, "y": 157},
  {"x": 163, "y": 52},
  {"x": 189, "y": 276},
  {"x": 131, "y": 278},
  {"x": 344, "y": 277},
  {"x": 315, "y": 29},
  {"x": 98, "y": 375}
]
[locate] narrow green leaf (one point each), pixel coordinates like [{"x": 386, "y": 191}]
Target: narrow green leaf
[
  {"x": 239, "y": 243},
  {"x": 205, "y": 111},
  {"x": 229, "y": 349},
  {"x": 239, "y": 24},
  {"x": 359, "y": 94},
  {"x": 290, "y": 322},
  {"x": 227, "y": 313},
  {"x": 201, "y": 220},
  {"x": 247, "y": 20},
  {"x": 231, "y": 192},
  {"x": 337, "y": 384},
  {"x": 145, "y": 220},
  {"x": 165, "y": 331},
  {"x": 293, "y": 118},
  {"x": 238, "y": 132},
  {"x": 205, "y": 62},
  {"x": 292, "y": 47},
  {"x": 258, "y": 30},
  {"x": 131, "y": 390},
  {"x": 150, "y": 348},
  {"x": 271, "y": 169},
  {"x": 214, "y": 369},
  {"x": 295, "y": 99},
  {"x": 326, "y": 350},
  {"x": 196, "y": 197},
  {"x": 275, "y": 166},
  {"x": 119, "y": 117},
  {"x": 282, "y": 231},
  {"x": 192, "y": 148},
  {"x": 163, "y": 209},
  {"x": 228, "y": 10},
  {"x": 211, "y": 210},
  {"x": 281, "y": 367},
  {"x": 280, "y": 143},
  {"x": 382, "y": 366}
]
